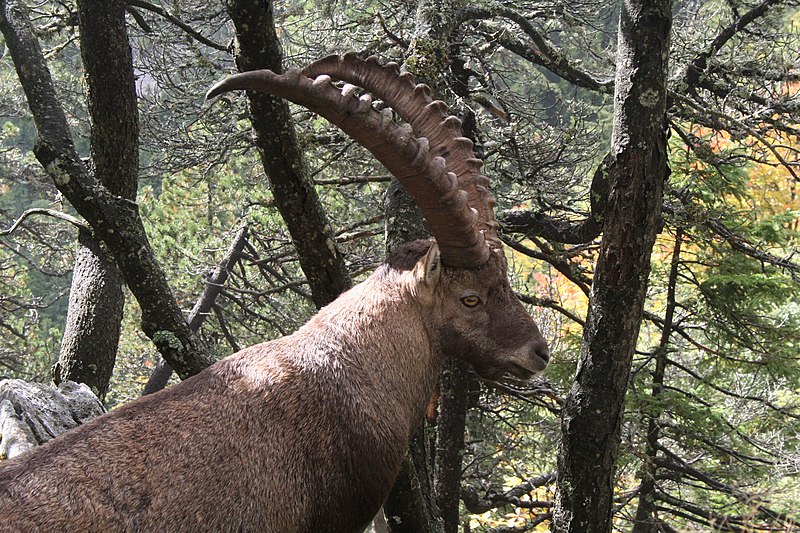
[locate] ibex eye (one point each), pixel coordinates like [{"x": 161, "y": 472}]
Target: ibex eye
[{"x": 471, "y": 301}]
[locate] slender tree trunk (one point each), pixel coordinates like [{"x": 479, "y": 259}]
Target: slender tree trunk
[
  {"x": 592, "y": 414},
  {"x": 91, "y": 334},
  {"x": 292, "y": 187},
  {"x": 428, "y": 58},
  {"x": 646, "y": 521},
  {"x": 450, "y": 442}
]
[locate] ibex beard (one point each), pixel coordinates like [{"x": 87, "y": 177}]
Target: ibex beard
[{"x": 301, "y": 434}]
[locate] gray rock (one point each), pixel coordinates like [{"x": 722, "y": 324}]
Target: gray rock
[
  {"x": 83, "y": 404},
  {"x": 15, "y": 436},
  {"x": 34, "y": 413}
]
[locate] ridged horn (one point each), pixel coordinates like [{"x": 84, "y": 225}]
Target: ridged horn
[
  {"x": 428, "y": 117},
  {"x": 426, "y": 155}
]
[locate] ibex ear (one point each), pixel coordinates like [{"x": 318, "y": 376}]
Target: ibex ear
[{"x": 429, "y": 268}]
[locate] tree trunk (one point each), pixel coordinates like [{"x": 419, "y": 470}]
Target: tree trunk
[
  {"x": 592, "y": 414},
  {"x": 450, "y": 442},
  {"x": 428, "y": 58},
  {"x": 94, "y": 316},
  {"x": 258, "y": 47},
  {"x": 115, "y": 220},
  {"x": 91, "y": 334},
  {"x": 410, "y": 507}
]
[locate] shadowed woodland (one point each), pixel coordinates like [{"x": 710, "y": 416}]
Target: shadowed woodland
[{"x": 644, "y": 156}]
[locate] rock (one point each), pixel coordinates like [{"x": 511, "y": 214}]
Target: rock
[
  {"x": 33, "y": 413},
  {"x": 83, "y": 404},
  {"x": 15, "y": 436}
]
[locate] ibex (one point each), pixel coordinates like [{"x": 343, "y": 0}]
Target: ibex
[{"x": 306, "y": 433}]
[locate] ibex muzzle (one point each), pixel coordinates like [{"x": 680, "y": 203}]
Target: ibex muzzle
[{"x": 306, "y": 433}]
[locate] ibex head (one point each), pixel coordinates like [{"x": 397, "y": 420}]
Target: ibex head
[
  {"x": 478, "y": 317},
  {"x": 472, "y": 314}
]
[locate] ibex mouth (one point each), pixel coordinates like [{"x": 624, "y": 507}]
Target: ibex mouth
[
  {"x": 520, "y": 372},
  {"x": 512, "y": 369},
  {"x": 527, "y": 367}
]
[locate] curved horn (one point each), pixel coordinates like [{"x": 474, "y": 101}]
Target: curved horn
[
  {"x": 428, "y": 117},
  {"x": 454, "y": 207}
]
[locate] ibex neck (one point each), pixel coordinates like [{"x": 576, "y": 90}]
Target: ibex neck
[{"x": 372, "y": 344}]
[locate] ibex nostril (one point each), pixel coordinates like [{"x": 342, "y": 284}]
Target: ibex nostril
[{"x": 544, "y": 354}]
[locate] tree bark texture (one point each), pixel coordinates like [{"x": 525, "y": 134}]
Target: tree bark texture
[
  {"x": 592, "y": 414},
  {"x": 115, "y": 220},
  {"x": 404, "y": 221},
  {"x": 410, "y": 507},
  {"x": 258, "y": 47},
  {"x": 94, "y": 316},
  {"x": 108, "y": 63},
  {"x": 450, "y": 430},
  {"x": 89, "y": 345}
]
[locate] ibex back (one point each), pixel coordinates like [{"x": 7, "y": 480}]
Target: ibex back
[{"x": 305, "y": 433}]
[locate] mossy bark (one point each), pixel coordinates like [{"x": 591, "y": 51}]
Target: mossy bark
[{"x": 592, "y": 414}]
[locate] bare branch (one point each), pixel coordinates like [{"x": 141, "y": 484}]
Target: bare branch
[
  {"x": 561, "y": 265},
  {"x": 550, "y": 304},
  {"x": 399, "y": 41},
  {"x": 78, "y": 223},
  {"x": 199, "y": 37},
  {"x": 697, "y": 68},
  {"x": 480, "y": 504},
  {"x": 545, "y": 53},
  {"x": 530, "y": 223},
  {"x": 738, "y": 242},
  {"x": 678, "y": 464},
  {"x": 213, "y": 287},
  {"x": 738, "y": 123}
]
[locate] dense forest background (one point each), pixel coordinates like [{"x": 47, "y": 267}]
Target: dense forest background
[{"x": 710, "y": 430}]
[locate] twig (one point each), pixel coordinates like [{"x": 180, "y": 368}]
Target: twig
[
  {"x": 48, "y": 212},
  {"x": 550, "y": 304},
  {"x": 736, "y": 122},
  {"x": 545, "y": 53},
  {"x": 698, "y": 66},
  {"x": 396, "y": 38}
]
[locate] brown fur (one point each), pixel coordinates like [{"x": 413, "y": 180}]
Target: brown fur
[{"x": 302, "y": 434}]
